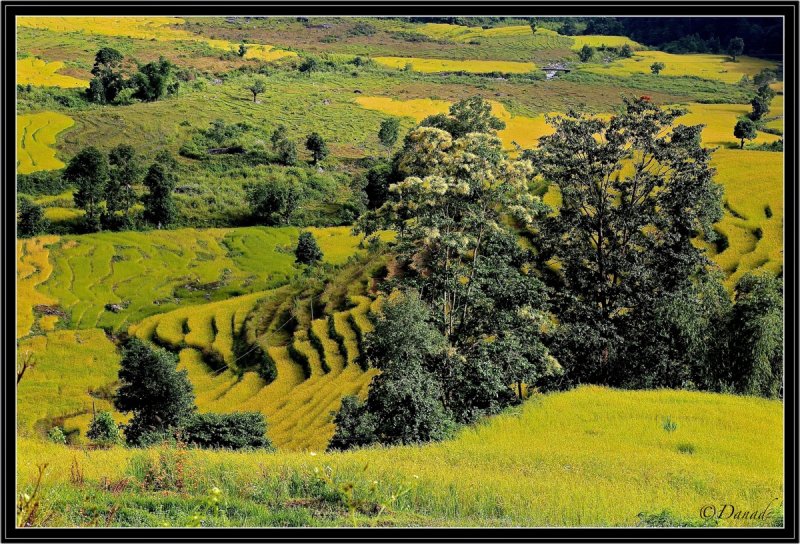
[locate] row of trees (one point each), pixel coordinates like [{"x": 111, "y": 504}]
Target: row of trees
[
  {"x": 612, "y": 292},
  {"x": 746, "y": 128},
  {"x": 109, "y": 85},
  {"x": 763, "y": 35},
  {"x": 104, "y": 187}
]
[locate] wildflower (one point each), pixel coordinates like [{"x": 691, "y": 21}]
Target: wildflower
[
  {"x": 313, "y": 454},
  {"x": 215, "y": 490}
]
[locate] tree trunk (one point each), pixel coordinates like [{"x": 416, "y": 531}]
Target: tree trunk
[
  {"x": 254, "y": 97},
  {"x": 741, "y": 146}
]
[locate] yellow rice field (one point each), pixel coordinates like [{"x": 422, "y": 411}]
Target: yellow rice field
[
  {"x": 525, "y": 131},
  {"x": 36, "y": 133},
  {"x": 719, "y": 120},
  {"x": 145, "y": 28},
  {"x": 33, "y": 71},
  {"x": 715, "y": 67},
  {"x": 444, "y": 65}
]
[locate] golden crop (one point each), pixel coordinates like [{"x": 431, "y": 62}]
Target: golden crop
[
  {"x": 36, "y": 132},
  {"x": 33, "y": 71}
]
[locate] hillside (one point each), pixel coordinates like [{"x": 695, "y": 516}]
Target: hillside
[
  {"x": 587, "y": 457},
  {"x": 418, "y": 238}
]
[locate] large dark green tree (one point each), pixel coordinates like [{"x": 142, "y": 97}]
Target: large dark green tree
[
  {"x": 307, "y": 251},
  {"x": 273, "y": 202},
  {"x": 159, "y": 396},
  {"x": 745, "y": 129},
  {"x": 107, "y": 82},
  {"x": 636, "y": 190},
  {"x": 404, "y": 404},
  {"x": 88, "y": 172},
  {"x": 316, "y": 144},
  {"x": 735, "y": 47},
  {"x": 125, "y": 172},
  {"x": 155, "y": 80},
  {"x": 756, "y": 357},
  {"x": 451, "y": 211},
  {"x": 159, "y": 204}
]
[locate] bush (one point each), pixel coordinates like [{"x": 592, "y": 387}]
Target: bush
[
  {"x": 362, "y": 29},
  {"x": 242, "y": 430},
  {"x": 56, "y": 434},
  {"x": 103, "y": 430},
  {"x": 31, "y": 221},
  {"x": 307, "y": 251}
]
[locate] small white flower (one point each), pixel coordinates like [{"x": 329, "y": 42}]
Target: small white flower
[{"x": 313, "y": 454}]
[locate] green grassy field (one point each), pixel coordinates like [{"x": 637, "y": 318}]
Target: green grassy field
[{"x": 587, "y": 457}]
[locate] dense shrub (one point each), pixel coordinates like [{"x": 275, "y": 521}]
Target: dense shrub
[
  {"x": 307, "y": 251},
  {"x": 241, "y": 430},
  {"x": 103, "y": 429}
]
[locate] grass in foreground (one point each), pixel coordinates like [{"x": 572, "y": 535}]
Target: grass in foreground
[{"x": 587, "y": 457}]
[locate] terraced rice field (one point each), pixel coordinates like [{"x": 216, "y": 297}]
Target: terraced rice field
[
  {"x": 310, "y": 383},
  {"x": 36, "y": 132},
  {"x": 525, "y": 131},
  {"x": 40, "y": 73},
  {"x": 145, "y": 28},
  {"x": 715, "y": 67},
  {"x": 33, "y": 268},
  {"x": 145, "y": 273},
  {"x": 444, "y": 65},
  {"x": 753, "y": 222}
]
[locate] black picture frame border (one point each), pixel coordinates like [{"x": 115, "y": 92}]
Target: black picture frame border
[{"x": 787, "y": 9}]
